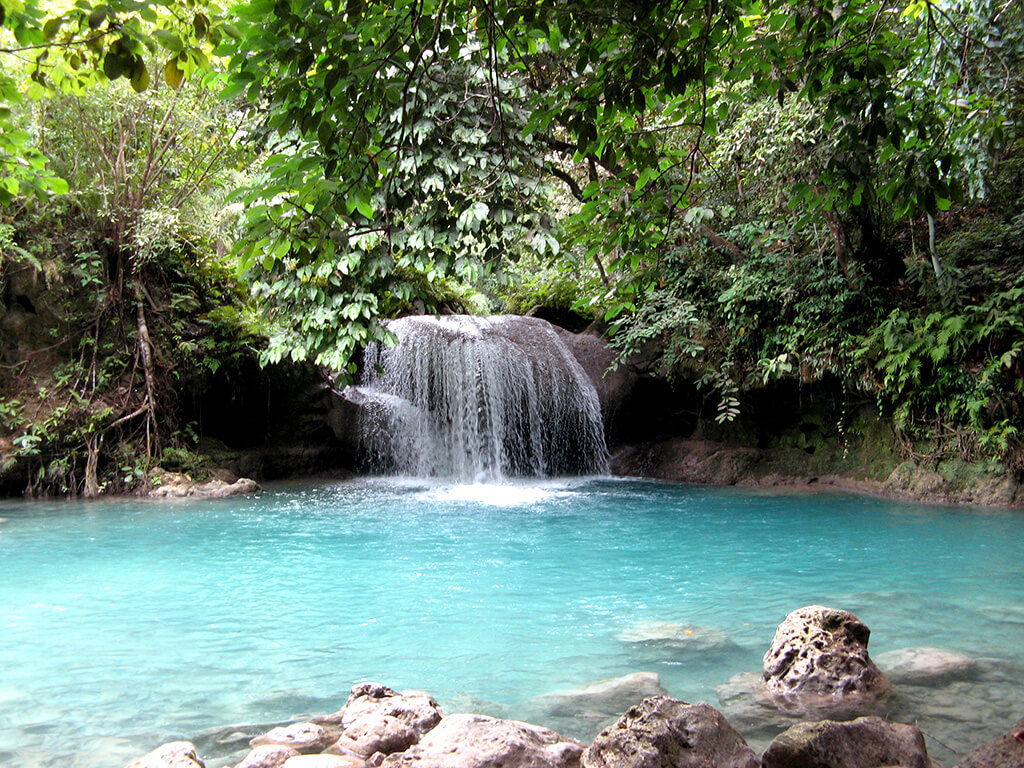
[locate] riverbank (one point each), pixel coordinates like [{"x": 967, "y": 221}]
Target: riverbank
[{"x": 706, "y": 462}]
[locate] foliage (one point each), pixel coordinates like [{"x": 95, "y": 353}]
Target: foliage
[
  {"x": 746, "y": 191},
  {"x": 68, "y": 48},
  {"x": 149, "y": 310},
  {"x": 378, "y": 185},
  {"x": 536, "y": 281},
  {"x": 959, "y": 367}
]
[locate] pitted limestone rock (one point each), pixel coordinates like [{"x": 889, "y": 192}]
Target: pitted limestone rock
[
  {"x": 822, "y": 652},
  {"x": 867, "y": 742},
  {"x": 663, "y": 732},
  {"x": 377, "y": 719}
]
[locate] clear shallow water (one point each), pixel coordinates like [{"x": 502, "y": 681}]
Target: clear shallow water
[{"x": 126, "y": 623}]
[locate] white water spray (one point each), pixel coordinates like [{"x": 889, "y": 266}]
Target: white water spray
[{"x": 478, "y": 399}]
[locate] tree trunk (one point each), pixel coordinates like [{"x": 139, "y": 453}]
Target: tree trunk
[
  {"x": 146, "y": 357},
  {"x": 841, "y": 243},
  {"x": 92, "y": 485}
]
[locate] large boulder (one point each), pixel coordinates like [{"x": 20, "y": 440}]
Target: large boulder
[
  {"x": 377, "y": 719},
  {"x": 305, "y": 738},
  {"x": 820, "y": 653},
  {"x": 614, "y": 385},
  {"x": 663, "y": 732},
  {"x": 867, "y": 742},
  {"x": 175, "y": 754},
  {"x": 478, "y": 741},
  {"x": 1005, "y": 752}
]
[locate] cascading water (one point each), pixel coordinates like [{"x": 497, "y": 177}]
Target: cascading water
[{"x": 478, "y": 399}]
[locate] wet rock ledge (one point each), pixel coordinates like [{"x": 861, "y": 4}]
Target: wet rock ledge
[{"x": 817, "y": 665}]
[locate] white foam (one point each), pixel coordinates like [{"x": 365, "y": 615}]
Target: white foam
[{"x": 496, "y": 494}]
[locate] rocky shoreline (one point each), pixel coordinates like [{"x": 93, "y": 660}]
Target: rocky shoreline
[
  {"x": 707, "y": 462},
  {"x": 817, "y": 677}
]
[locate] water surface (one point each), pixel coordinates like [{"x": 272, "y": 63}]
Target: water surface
[{"x": 126, "y": 623}]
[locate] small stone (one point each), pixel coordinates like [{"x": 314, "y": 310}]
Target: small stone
[{"x": 175, "y": 754}]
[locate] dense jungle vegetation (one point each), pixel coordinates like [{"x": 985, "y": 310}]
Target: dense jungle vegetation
[{"x": 736, "y": 192}]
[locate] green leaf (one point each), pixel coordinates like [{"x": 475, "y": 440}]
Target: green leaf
[
  {"x": 140, "y": 77},
  {"x": 113, "y": 66},
  {"x": 169, "y": 40},
  {"x": 173, "y": 74},
  {"x": 52, "y": 27},
  {"x": 97, "y": 17},
  {"x": 201, "y": 25}
]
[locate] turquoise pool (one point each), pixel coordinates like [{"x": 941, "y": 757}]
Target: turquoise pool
[{"x": 126, "y": 623}]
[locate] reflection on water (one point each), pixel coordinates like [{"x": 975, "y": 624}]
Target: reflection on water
[{"x": 128, "y": 623}]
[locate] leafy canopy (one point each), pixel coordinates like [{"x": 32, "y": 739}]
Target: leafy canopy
[{"x": 411, "y": 140}]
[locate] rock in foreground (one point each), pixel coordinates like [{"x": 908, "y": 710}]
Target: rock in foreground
[
  {"x": 268, "y": 756},
  {"x": 377, "y": 719},
  {"x": 1005, "y": 752},
  {"x": 176, "y": 754},
  {"x": 478, "y": 741},
  {"x": 304, "y": 738},
  {"x": 663, "y": 732},
  {"x": 822, "y": 652},
  {"x": 867, "y": 742}
]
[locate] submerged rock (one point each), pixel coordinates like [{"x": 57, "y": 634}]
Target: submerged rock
[
  {"x": 304, "y": 738},
  {"x": 867, "y": 742},
  {"x": 175, "y": 754},
  {"x": 377, "y": 719},
  {"x": 662, "y": 732},
  {"x": 478, "y": 741},
  {"x": 821, "y": 653},
  {"x": 225, "y": 739},
  {"x": 682, "y": 637},
  {"x": 746, "y": 703},
  {"x": 605, "y": 698},
  {"x": 925, "y": 666},
  {"x": 1005, "y": 752}
]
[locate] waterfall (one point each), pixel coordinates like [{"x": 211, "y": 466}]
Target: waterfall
[{"x": 478, "y": 399}]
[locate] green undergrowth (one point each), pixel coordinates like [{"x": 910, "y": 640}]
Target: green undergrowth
[{"x": 70, "y": 370}]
